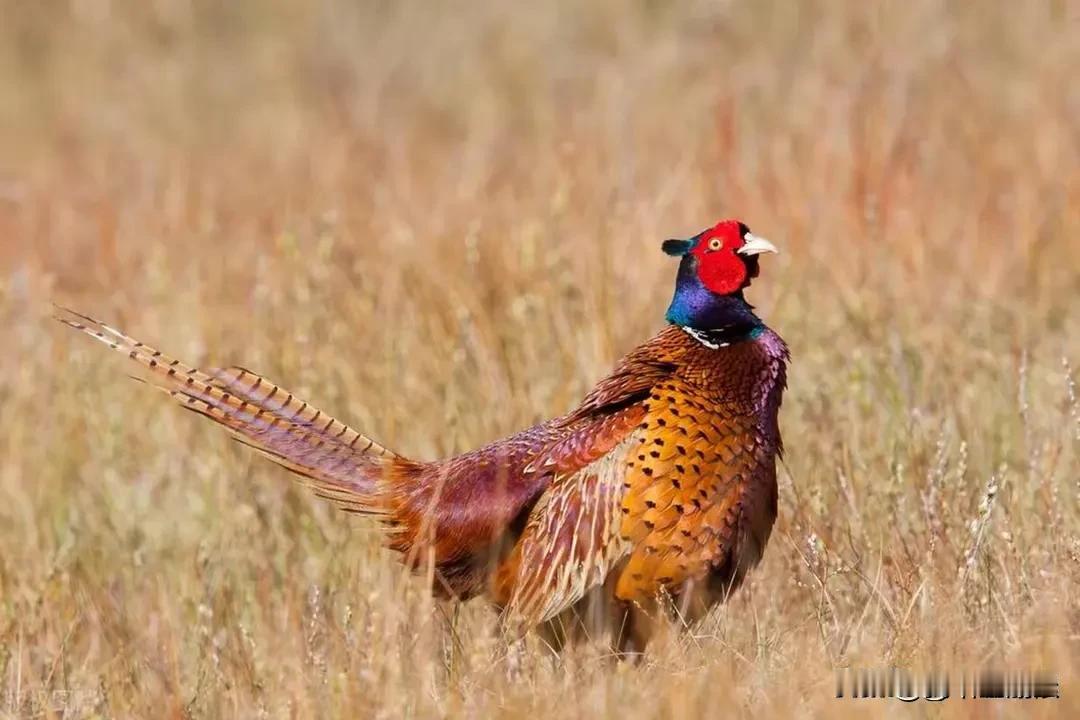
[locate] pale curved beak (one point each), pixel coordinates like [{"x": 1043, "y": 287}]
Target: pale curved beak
[{"x": 754, "y": 245}]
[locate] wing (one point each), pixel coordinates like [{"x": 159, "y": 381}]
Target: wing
[
  {"x": 572, "y": 539},
  {"x": 545, "y": 492}
]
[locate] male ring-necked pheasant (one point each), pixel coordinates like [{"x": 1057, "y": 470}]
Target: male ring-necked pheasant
[{"x": 657, "y": 491}]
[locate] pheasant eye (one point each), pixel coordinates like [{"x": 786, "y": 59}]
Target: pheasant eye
[{"x": 716, "y": 244}]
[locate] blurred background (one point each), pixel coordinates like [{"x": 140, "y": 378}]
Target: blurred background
[{"x": 441, "y": 222}]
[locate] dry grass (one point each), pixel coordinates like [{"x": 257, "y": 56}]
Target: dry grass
[{"x": 443, "y": 224}]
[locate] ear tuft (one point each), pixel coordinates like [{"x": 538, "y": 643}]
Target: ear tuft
[{"x": 676, "y": 248}]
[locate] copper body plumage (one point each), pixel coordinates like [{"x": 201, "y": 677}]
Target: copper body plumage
[{"x": 657, "y": 492}]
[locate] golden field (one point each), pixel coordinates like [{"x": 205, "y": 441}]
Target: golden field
[{"x": 441, "y": 222}]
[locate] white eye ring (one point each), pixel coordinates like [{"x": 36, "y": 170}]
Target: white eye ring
[{"x": 716, "y": 244}]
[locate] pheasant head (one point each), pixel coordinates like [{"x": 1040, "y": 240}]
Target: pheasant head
[{"x": 716, "y": 265}]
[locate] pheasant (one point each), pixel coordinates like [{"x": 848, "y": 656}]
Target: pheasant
[{"x": 655, "y": 495}]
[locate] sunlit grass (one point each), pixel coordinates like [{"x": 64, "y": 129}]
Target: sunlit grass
[{"x": 443, "y": 225}]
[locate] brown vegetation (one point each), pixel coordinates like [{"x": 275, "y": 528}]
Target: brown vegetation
[{"x": 443, "y": 224}]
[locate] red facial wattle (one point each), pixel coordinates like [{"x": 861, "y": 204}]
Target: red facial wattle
[
  {"x": 719, "y": 268},
  {"x": 716, "y": 265}
]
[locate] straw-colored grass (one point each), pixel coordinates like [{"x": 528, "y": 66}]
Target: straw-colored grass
[{"x": 442, "y": 223}]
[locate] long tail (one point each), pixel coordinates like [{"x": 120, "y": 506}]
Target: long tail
[{"x": 337, "y": 462}]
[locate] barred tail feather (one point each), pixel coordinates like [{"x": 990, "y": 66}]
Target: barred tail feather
[
  {"x": 274, "y": 399},
  {"x": 339, "y": 463}
]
